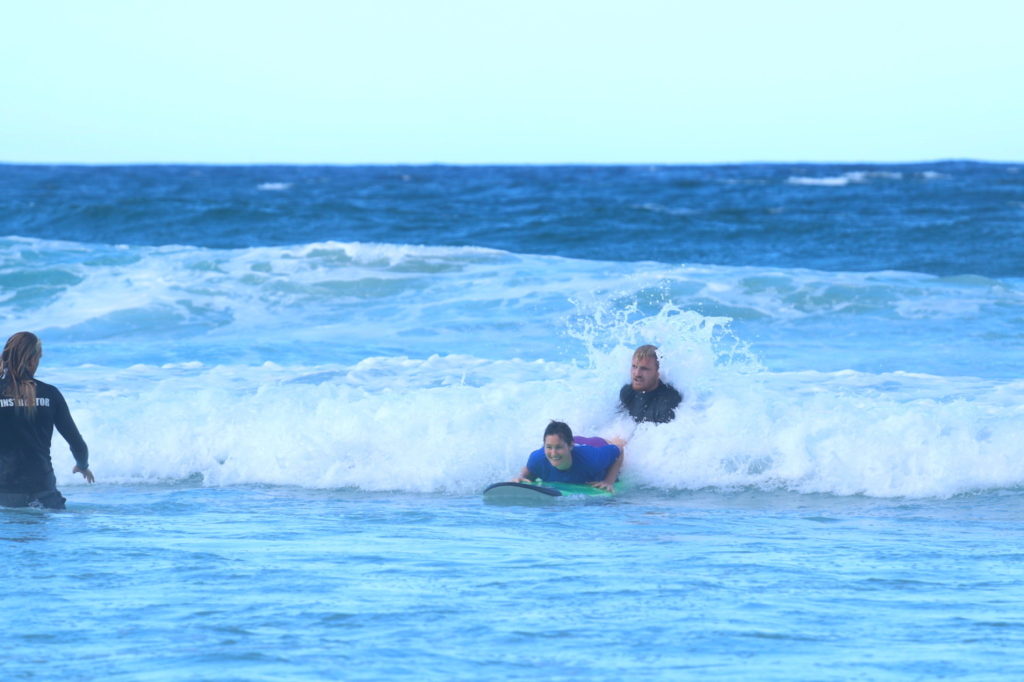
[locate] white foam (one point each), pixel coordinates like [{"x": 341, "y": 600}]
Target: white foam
[
  {"x": 384, "y": 366},
  {"x": 248, "y": 290},
  {"x": 848, "y": 178},
  {"x": 453, "y": 424},
  {"x": 667, "y": 210},
  {"x": 836, "y": 181}
]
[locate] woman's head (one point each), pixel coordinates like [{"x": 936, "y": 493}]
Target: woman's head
[
  {"x": 21, "y": 355},
  {"x": 558, "y": 445},
  {"x": 560, "y": 429}
]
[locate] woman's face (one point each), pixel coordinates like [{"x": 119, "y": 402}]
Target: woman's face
[{"x": 558, "y": 452}]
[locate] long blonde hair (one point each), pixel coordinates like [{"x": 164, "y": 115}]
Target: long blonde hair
[{"x": 17, "y": 367}]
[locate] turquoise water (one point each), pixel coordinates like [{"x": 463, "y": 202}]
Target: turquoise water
[
  {"x": 295, "y": 383},
  {"x": 184, "y": 581}
]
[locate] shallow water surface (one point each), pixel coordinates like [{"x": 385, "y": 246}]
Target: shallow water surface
[{"x": 184, "y": 582}]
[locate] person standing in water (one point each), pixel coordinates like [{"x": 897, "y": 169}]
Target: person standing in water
[
  {"x": 646, "y": 398},
  {"x": 29, "y": 409}
]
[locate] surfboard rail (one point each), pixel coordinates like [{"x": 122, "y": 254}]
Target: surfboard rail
[{"x": 540, "y": 492}]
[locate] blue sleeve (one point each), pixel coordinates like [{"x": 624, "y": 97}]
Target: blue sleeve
[
  {"x": 595, "y": 462},
  {"x": 536, "y": 463},
  {"x": 607, "y": 455}
]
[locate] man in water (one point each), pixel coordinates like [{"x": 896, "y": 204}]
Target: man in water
[{"x": 646, "y": 398}]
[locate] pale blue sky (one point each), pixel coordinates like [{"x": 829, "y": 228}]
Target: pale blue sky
[{"x": 525, "y": 81}]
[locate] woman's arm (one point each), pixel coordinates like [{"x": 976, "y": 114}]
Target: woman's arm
[
  {"x": 524, "y": 476},
  {"x": 85, "y": 472},
  {"x": 66, "y": 427},
  {"x": 613, "y": 471}
]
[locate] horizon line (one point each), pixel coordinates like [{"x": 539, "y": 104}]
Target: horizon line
[{"x": 491, "y": 164}]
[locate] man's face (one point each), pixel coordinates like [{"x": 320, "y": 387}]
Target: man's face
[{"x": 645, "y": 374}]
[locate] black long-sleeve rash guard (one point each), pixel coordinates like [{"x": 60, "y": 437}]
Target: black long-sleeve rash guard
[
  {"x": 25, "y": 439},
  {"x": 658, "y": 405}
]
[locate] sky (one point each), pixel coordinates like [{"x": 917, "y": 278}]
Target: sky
[{"x": 513, "y": 81}]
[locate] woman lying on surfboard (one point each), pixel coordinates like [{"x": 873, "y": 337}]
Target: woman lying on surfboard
[{"x": 593, "y": 461}]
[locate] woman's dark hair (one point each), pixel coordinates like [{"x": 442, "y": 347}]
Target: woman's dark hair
[{"x": 560, "y": 429}]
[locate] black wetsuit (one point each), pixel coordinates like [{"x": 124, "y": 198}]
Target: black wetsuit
[
  {"x": 26, "y": 473},
  {"x": 658, "y": 406}
]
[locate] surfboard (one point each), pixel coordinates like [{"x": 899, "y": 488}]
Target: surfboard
[{"x": 543, "y": 492}]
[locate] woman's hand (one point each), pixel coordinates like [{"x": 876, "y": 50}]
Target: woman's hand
[
  {"x": 85, "y": 472},
  {"x": 603, "y": 485}
]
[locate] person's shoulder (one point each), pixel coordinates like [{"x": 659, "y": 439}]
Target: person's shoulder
[
  {"x": 44, "y": 388},
  {"x": 672, "y": 393},
  {"x": 538, "y": 464},
  {"x": 625, "y": 393},
  {"x": 54, "y": 398},
  {"x": 536, "y": 459}
]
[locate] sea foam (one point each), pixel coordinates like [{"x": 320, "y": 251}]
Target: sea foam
[{"x": 453, "y": 424}]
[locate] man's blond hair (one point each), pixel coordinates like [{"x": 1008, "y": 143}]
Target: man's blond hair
[{"x": 647, "y": 351}]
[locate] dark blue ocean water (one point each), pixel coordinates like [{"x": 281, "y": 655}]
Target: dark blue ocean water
[
  {"x": 949, "y": 218},
  {"x": 296, "y": 381}
]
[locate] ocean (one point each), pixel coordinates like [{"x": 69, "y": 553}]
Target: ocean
[{"x": 296, "y": 381}]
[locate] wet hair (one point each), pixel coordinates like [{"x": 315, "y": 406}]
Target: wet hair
[
  {"x": 560, "y": 429},
  {"x": 17, "y": 365},
  {"x": 647, "y": 351}
]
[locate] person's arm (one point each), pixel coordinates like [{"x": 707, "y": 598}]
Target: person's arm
[
  {"x": 528, "y": 475},
  {"x": 613, "y": 471},
  {"x": 66, "y": 427},
  {"x": 524, "y": 476},
  {"x": 85, "y": 472}
]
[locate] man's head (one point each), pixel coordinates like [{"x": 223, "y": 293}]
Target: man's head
[{"x": 644, "y": 371}]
